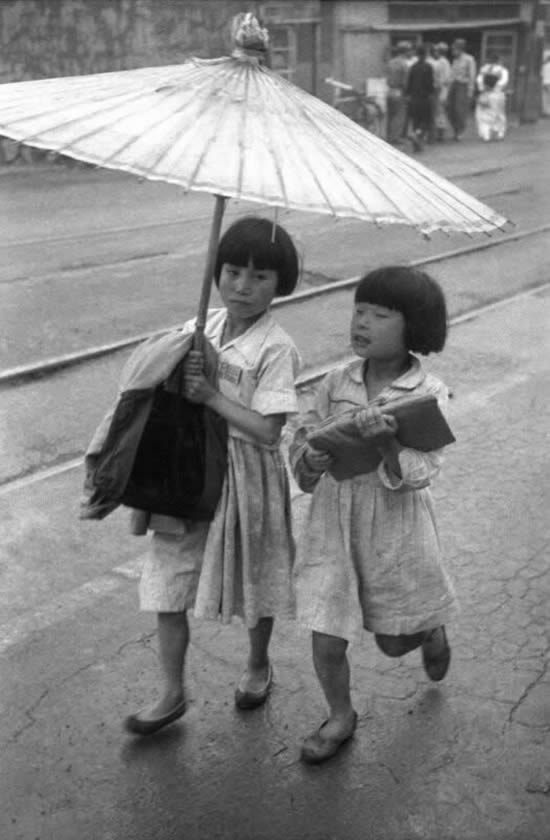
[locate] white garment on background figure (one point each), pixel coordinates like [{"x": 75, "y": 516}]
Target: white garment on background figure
[
  {"x": 545, "y": 73},
  {"x": 492, "y": 82}
]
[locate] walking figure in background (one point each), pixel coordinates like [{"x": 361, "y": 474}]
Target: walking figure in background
[
  {"x": 545, "y": 79},
  {"x": 462, "y": 87},
  {"x": 370, "y": 555},
  {"x": 241, "y": 562},
  {"x": 420, "y": 92},
  {"x": 442, "y": 80},
  {"x": 396, "y": 103},
  {"x": 490, "y": 112}
]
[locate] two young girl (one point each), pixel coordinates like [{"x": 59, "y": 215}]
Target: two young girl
[{"x": 369, "y": 556}]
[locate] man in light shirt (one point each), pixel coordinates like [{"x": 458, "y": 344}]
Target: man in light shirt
[
  {"x": 442, "y": 81},
  {"x": 396, "y": 104},
  {"x": 461, "y": 91}
]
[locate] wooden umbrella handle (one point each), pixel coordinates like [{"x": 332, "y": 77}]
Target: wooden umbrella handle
[{"x": 209, "y": 271}]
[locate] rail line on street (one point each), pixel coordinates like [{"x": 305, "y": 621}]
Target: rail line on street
[
  {"x": 21, "y": 374},
  {"x": 202, "y": 217},
  {"x": 305, "y": 381}
]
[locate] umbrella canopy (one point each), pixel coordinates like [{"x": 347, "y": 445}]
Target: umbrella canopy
[{"x": 233, "y": 127}]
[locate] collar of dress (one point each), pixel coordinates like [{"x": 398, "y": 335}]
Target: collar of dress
[
  {"x": 408, "y": 381},
  {"x": 249, "y": 344}
]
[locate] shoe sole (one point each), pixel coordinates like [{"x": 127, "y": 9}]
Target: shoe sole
[
  {"x": 135, "y": 726},
  {"x": 335, "y": 745},
  {"x": 246, "y": 700}
]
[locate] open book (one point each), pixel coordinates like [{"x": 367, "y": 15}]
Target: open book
[{"x": 421, "y": 425}]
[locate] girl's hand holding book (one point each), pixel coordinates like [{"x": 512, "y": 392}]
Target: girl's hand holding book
[
  {"x": 317, "y": 460},
  {"x": 197, "y": 388},
  {"x": 373, "y": 423}
]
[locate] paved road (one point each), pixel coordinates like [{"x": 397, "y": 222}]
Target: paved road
[{"x": 464, "y": 760}]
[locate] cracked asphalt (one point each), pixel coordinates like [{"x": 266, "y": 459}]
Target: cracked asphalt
[{"x": 466, "y": 759}]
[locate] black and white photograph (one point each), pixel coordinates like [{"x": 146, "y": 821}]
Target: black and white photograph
[{"x": 274, "y": 420}]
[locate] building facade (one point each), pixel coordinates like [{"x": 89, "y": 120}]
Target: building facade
[{"x": 365, "y": 32}]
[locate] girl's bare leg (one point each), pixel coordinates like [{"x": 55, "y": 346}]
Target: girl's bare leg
[
  {"x": 257, "y": 668},
  {"x": 173, "y": 637},
  {"x": 332, "y": 668}
]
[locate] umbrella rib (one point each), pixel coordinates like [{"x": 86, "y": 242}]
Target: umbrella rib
[
  {"x": 207, "y": 83},
  {"x": 269, "y": 143},
  {"x": 211, "y": 139},
  {"x": 403, "y": 170},
  {"x": 242, "y": 133},
  {"x": 169, "y": 89},
  {"x": 377, "y": 185},
  {"x": 75, "y": 120},
  {"x": 303, "y": 110},
  {"x": 307, "y": 163},
  {"x": 67, "y": 148},
  {"x": 280, "y": 83},
  {"x": 405, "y": 174}
]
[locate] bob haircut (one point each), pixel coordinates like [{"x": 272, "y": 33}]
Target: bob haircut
[
  {"x": 417, "y": 296},
  {"x": 267, "y": 244}
]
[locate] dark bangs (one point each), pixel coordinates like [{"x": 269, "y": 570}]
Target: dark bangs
[
  {"x": 417, "y": 296},
  {"x": 268, "y": 245},
  {"x": 386, "y": 286}
]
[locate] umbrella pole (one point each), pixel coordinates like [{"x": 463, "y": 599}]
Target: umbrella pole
[{"x": 209, "y": 271}]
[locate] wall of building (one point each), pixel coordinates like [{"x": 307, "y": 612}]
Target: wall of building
[
  {"x": 47, "y": 38},
  {"x": 359, "y": 53}
]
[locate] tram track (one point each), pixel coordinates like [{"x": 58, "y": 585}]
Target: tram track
[
  {"x": 14, "y": 376},
  {"x": 304, "y": 383},
  {"x": 179, "y": 223}
]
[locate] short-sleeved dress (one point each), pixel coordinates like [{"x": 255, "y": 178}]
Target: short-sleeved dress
[
  {"x": 370, "y": 554},
  {"x": 241, "y": 563}
]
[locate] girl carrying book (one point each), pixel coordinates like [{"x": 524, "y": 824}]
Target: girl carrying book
[{"x": 370, "y": 555}]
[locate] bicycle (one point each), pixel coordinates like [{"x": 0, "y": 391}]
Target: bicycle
[{"x": 363, "y": 109}]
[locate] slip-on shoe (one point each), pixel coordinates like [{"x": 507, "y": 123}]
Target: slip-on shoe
[
  {"x": 436, "y": 665},
  {"x": 139, "y": 726},
  {"x": 253, "y": 699},
  {"x": 317, "y": 748}
]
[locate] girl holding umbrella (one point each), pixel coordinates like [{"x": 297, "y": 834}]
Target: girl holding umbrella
[{"x": 241, "y": 562}]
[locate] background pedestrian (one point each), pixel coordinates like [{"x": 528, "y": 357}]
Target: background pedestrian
[
  {"x": 370, "y": 555},
  {"x": 490, "y": 112},
  {"x": 545, "y": 74},
  {"x": 396, "y": 104},
  {"x": 462, "y": 87},
  {"x": 442, "y": 81},
  {"x": 420, "y": 93}
]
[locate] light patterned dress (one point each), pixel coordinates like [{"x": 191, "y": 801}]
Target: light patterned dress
[
  {"x": 241, "y": 563},
  {"x": 370, "y": 554}
]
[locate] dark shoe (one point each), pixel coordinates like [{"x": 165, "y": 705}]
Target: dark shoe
[
  {"x": 418, "y": 141},
  {"x": 140, "y": 726},
  {"x": 317, "y": 749},
  {"x": 253, "y": 699},
  {"x": 436, "y": 653}
]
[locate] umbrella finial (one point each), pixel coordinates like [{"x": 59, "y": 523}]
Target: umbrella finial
[{"x": 250, "y": 39}]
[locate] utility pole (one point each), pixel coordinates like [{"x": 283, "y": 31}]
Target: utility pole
[{"x": 531, "y": 64}]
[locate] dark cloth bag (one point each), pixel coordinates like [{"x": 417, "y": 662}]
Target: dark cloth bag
[
  {"x": 181, "y": 459},
  {"x": 162, "y": 453}
]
